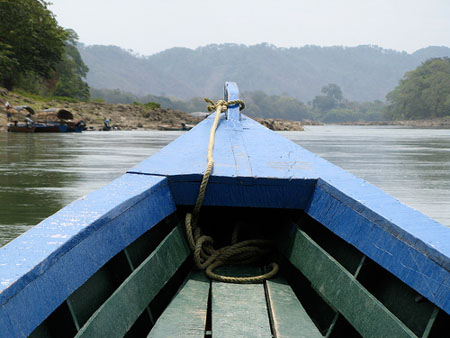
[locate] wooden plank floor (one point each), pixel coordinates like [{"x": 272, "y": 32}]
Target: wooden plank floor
[
  {"x": 186, "y": 314},
  {"x": 289, "y": 318},
  {"x": 269, "y": 309},
  {"x": 239, "y": 310},
  {"x": 338, "y": 286},
  {"x": 118, "y": 314}
]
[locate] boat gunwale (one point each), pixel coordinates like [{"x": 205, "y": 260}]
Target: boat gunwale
[
  {"x": 428, "y": 239},
  {"x": 62, "y": 269},
  {"x": 242, "y": 154}
]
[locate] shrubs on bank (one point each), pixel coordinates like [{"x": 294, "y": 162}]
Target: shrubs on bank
[
  {"x": 36, "y": 54},
  {"x": 422, "y": 93}
]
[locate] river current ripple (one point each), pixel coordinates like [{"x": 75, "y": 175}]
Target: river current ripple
[{"x": 41, "y": 173}]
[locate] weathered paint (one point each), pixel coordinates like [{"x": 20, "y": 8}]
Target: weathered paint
[
  {"x": 118, "y": 314},
  {"x": 289, "y": 318},
  {"x": 247, "y": 192},
  {"x": 253, "y": 167},
  {"x": 187, "y": 310},
  {"x": 269, "y": 155},
  {"x": 258, "y": 168},
  {"x": 406, "y": 256},
  {"x": 231, "y": 92},
  {"x": 239, "y": 310},
  {"x": 341, "y": 289},
  {"x": 41, "y": 268}
]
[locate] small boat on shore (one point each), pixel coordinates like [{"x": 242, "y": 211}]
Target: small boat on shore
[
  {"x": 51, "y": 120},
  {"x": 183, "y": 127},
  {"x": 47, "y": 127},
  {"x": 123, "y": 261}
]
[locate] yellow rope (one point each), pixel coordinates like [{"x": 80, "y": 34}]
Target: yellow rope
[{"x": 205, "y": 256}]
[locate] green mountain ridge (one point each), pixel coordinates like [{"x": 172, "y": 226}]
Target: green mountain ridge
[{"x": 365, "y": 73}]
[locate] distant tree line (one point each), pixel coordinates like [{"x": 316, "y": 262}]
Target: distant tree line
[
  {"x": 259, "y": 104},
  {"x": 329, "y": 108},
  {"x": 40, "y": 57},
  {"x": 333, "y": 107},
  {"x": 422, "y": 93},
  {"x": 364, "y": 73},
  {"x": 36, "y": 54}
]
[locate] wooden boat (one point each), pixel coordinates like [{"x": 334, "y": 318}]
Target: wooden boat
[
  {"x": 47, "y": 127},
  {"x": 21, "y": 127},
  {"x": 183, "y": 127},
  {"x": 353, "y": 260},
  {"x": 53, "y": 120}
]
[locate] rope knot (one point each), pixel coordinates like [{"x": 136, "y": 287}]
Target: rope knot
[
  {"x": 205, "y": 256},
  {"x": 222, "y": 105}
]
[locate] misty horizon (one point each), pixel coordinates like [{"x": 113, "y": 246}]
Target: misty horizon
[{"x": 373, "y": 46}]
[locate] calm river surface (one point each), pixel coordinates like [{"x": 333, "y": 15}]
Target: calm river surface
[{"x": 41, "y": 173}]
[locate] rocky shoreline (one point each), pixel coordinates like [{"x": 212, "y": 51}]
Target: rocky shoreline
[
  {"x": 141, "y": 117},
  {"x": 123, "y": 116},
  {"x": 443, "y": 122},
  {"x": 280, "y": 125}
]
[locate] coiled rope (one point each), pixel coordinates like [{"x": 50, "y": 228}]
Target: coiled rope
[{"x": 244, "y": 252}]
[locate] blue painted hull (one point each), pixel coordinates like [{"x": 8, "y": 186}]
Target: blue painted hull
[
  {"x": 51, "y": 127},
  {"x": 254, "y": 168}
]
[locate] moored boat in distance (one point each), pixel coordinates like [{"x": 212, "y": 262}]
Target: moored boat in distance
[
  {"x": 47, "y": 127},
  {"x": 353, "y": 261},
  {"x": 183, "y": 127},
  {"x": 51, "y": 120}
]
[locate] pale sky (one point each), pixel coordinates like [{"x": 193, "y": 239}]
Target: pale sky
[{"x": 151, "y": 26}]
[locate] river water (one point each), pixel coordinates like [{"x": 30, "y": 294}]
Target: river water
[{"x": 41, "y": 173}]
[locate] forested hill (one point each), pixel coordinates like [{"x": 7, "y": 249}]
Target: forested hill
[{"x": 364, "y": 73}]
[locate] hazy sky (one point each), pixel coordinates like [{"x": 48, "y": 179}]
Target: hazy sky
[{"x": 150, "y": 26}]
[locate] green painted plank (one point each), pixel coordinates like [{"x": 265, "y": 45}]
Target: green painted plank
[
  {"x": 239, "y": 310},
  {"x": 289, "y": 318},
  {"x": 340, "y": 288},
  {"x": 116, "y": 316},
  {"x": 336, "y": 317},
  {"x": 186, "y": 314},
  {"x": 430, "y": 323}
]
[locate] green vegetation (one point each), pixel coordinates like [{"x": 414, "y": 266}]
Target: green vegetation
[
  {"x": 422, "y": 93},
  {"x": 334, "y": 108},
  {"x": 329, "y": 108},
  {"x": 31, "y": 39},
  {"x": 119, "y": 96},
  {"x": 364, "y": 73},
  {"x": 70, "y": 72},
  {"x": 149, "y": 105},
  {"x": 47, "y": 98},
  {"x": 150, "y": 101},
  {"x": 259, "y": 104},
  {"x": 36, "y": 54},
  {"x": 332, "y": 84},
  {"x": 357, "y": 74},
  {"x": 332, "y": 98}
]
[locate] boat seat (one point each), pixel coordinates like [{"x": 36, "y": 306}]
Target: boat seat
[{"x": 269, "y": 309}]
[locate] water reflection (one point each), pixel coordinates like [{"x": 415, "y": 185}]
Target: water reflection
[
  {"x": 30, "y": 188},
  {"x": 411, "y": 164},
  {"x": 41, "y": 173}
]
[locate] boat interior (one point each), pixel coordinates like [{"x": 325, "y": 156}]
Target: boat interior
[
  {"x": 352, "y": 260},
  {"x": 325, "y": 287}
]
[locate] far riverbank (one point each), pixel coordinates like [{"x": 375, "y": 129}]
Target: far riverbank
[
  {"x": 443, "y": 122},
  {"x": 122, "y": 116}
]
